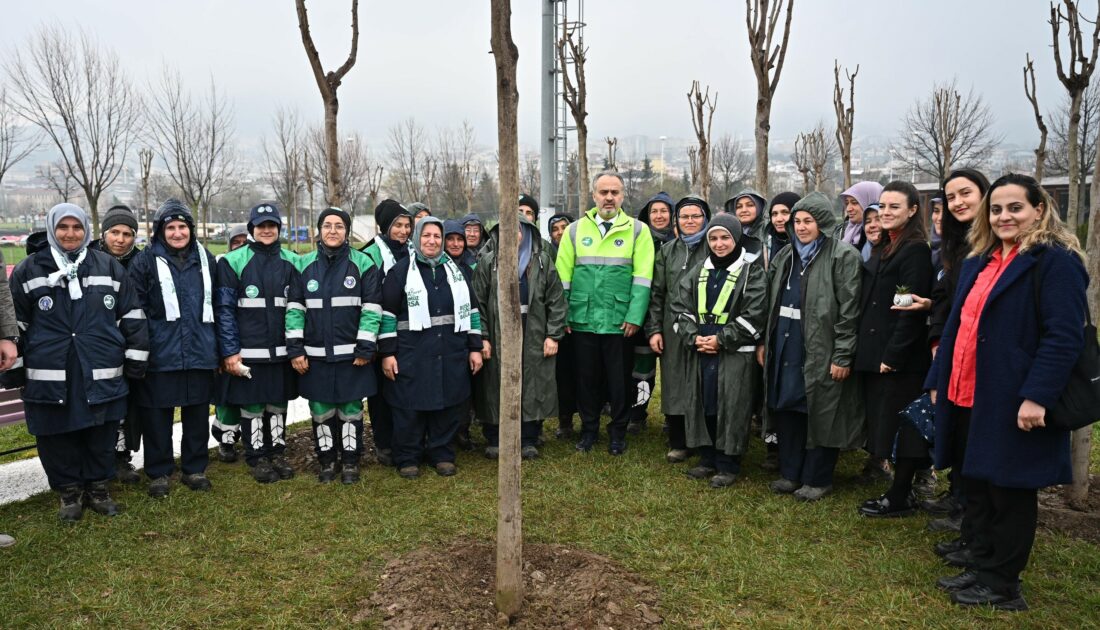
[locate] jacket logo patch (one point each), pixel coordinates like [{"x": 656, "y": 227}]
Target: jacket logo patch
[
  {"x": 45, "y": 303},
  {"x": 619, "y": 242},
  {"x": 109, "y": 302},
  {"x": 586, "y": 241},
  {"x": 251, "y": 291},
  {"x": 349, "y": 282},
  {"x": 312, "y": 286}
]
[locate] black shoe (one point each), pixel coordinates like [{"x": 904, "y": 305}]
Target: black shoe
[
  {"x": 282, "y": 467},
  {"x": 158, "y": 488},
  {"x": 617, "y": 448},
  {"x": 949, "y": 546},
  {"x": 945, "y": 524},
  {"x": 409, "y": 472},
  {"x": 700, "y": 472},
  {"x": 328, "y": 473},
  {"x": 227, "y": 453},
  {"x": 125, "y": 472},
  {"x": 262, "y": 472},
  {"x": 952, "y": 583},
  {"x": 529, "y": 452},
  {"x": 635, "y": 427},
  {"x": 349, "y": 474},
  {"x": 72, "y": 505},
  {"x": 944, "y": 504},
  {"x": 586, "y": 443},
  {"x": 882, "y": 508},
  {"x": 722, "y": 480},
  {"x": 197, "y": 482},
  {"x": 962, "y": 558},
  {"x": 981, "y": 595},
  {"x": 446, "y": 469},
  {"x": 384, "y": 456},
  {"x": 98, "y": 497}
]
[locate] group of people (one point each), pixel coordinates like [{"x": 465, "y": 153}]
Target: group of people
[{"x": 823, "y": 332}]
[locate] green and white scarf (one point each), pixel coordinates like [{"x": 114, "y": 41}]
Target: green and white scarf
[{"x": 416, "y": 297}]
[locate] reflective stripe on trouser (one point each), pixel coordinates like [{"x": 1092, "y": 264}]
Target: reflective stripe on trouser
[
  {"x": 226, "y": 426},
  {"x": 264, "y": 426},
  {"x": 342, "y": 419}
]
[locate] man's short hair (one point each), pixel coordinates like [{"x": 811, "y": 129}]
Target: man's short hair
[{"x": 607, "y": 174}]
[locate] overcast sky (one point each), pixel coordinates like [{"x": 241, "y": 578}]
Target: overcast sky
[{"x": 430, "y": 59}]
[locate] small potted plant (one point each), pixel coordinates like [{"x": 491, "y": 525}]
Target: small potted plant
[{"x": 902, "y": 296}]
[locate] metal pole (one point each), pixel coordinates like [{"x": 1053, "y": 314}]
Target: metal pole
[{"x": 548, "y": 162}]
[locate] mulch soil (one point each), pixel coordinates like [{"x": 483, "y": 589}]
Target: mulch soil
[
  {"x": 453, "y": 587},
  {"x": 1056, "y": 515}
]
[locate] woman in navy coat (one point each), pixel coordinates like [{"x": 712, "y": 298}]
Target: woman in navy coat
[{"x": 1003, "y": 360}]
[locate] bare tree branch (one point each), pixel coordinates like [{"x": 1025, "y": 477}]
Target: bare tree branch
[
  {"x": 762, "y": 18},
  {"x": 1032, "y": 97},
  {"x": 845, "y": 119},
  {"x": 572, "y": 51},
  {"x": 17, "y": 141},
  {"x": 702, "y": 116},
  {"x": 947, "y": 128}
]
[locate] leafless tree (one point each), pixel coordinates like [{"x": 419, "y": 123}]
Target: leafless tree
[
  {"x": 410, "y": 159},
  {"x": 731, "y": 164},
  {"x": 530, "y": 178},
  {"x": 702, "y": 108},
  {"x": 357, "y": 166},
  {"x": 17, "y": 141},
  {"x": 573, "y": 52},
  {"x": 762, "y": 18},
  {"x": 457, "y": 171},
  {"x": 75, "y": 91},
  {"x": 57, "y": 177},
  {"x": 1057, "y": 162},
  {"x": 283, "y": 153},
  {"x": 328, "y": 83},
  {"x": 947, "y": 128},
  {"x": 193, "y": 137},
  {"x": 509, "y": 578},
  {"x": 1076, "y": 80},
  {"x": 612, "y": 145},
  {"x": 1033, "y": 98},
  {"x": 801, "y": 159},
  {"x": 374, "y": 183},
  {"x": 845, "y": 119},
  {"x": 145, "y": 163},
  {"x": 693, "y": 166},
  {"x": 821, "y": 151}
]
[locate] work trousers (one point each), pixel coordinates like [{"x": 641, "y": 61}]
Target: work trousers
[
  {"x": 1003, "y": 522},
  {"x": 425, "y": 434},
  {"x": 80, "y": 457},
  {"x": 608, "y": 359},
  {"x": 808, "y": 466},
  {"x": 156, "y": 429}
]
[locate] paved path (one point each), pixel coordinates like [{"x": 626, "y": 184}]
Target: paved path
[{"x": 24, "y": 478}]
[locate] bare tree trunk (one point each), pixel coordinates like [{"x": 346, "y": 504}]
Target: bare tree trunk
[
  {"x": 509, "y": 581},
  {"x": 145, "y": 161},
  {"x": 1033, "y": 98},
  {"x": 1081, "y": 444},
  {"x": 328, "y": 85},
  {"x": 762, "y": 19},
  {"x": 702, "y": 115},
  {"x": 575, "y": 97},
  {"x": 612, "y": 144},
  {"x": 845, "y": 119},
  {"x": 1074, "y": 162}
]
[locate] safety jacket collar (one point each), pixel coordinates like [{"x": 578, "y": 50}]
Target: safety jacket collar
[{"x": 621, "y": 223}]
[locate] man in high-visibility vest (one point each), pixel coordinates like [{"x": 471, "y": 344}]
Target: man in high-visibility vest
[{"x": 605, "y": 261}]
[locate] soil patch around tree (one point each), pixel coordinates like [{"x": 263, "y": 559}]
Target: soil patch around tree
[
  {"x": 300, "y": 453},
  {"x": 454, "y": 587},
  {"x": 1056, "y": 515}
]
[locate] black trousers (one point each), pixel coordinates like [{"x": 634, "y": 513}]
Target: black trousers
[
  {"x": 80, "y": 457},
  {"x": 714, "y": 458},
  {"x": 677, "y": 432},
  {"x": 1003, "y": 522},
  {"x": 528, "y": 433},
  {"x": 420, "y": 434},
  {"x": 808, "y": 466},
  {"x": 381, "y": 421},
  {"x": 157, "y": 432},
  {"x": 610, "y": 359}
]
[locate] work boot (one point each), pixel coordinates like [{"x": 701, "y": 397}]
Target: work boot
[
  {"x": 565, "y": 429},
  {"x": 71, "y": 506},
  {"x": 125, "y": 472},
  {"x": 282, "y": 467},
  {"x": 98, "y": 497},
  {"x": 723, "y": 480},
  {"x": 158, "y": 488},
  {"x": 979, "y": 594},
  {"x": 700, "y": 472},
  {"x": 635, "y": 427},
  {"x": 262, "y": 472},
  {"x": 943, "y": 504},
  {"x": 924, "y": 484},
  {"x": 327, "y": 473},
  {"x": 384, "y": 456},
  {"x": 784, "y": 486},
  {"x": 529, "y": 452},
  {"x": 227, "y": 453},
  {"x": 196, "y": 481},
  {"x": 349, "y": 474},
  {"x": 945, "y": 524},
  {"x": 446, "y": 469},
  {"x": 409, "y": 472},
  {"x": 810, "y": 494}
]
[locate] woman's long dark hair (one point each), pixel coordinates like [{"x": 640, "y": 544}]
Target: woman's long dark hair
[
  {"x": 915, "y": 229},
  {"x": 953, "y": 244}
]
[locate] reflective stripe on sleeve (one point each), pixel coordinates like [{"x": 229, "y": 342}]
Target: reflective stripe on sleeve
[
  {"x": 102, "y": 374},
  {"x": 137, "y": 355},
  {"x": 34, "y": 374}
]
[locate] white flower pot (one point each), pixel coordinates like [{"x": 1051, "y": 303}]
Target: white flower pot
[{"x": 903, "y": 300}]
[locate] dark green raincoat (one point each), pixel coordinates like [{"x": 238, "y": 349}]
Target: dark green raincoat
[{"x": 546, "y": 314}]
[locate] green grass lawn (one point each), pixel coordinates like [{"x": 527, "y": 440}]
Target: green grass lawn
[{"x": 296, "y": 554}]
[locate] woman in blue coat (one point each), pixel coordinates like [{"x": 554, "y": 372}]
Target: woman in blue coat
[
  {"x": 174, "y": 281},
  {"x": 1004, "y": 359},
  {"x": 83, "y": 334},
  {"x": 430, "y": 344}
]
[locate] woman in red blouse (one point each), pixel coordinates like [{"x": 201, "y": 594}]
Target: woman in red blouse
[{"x": 1014, "y": 333}]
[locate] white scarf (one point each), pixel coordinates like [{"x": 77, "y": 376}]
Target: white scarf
[
  {"x": 388, "y": 261},
  {"x": 416, "y": 296},
  {"x": 66, "y": 272},
  {"x": 168, "y": 290}
]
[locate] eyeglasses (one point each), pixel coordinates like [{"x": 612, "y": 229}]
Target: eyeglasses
[
  {"x": 332, "y": 227},
  {"x": 691, "y": 217}
]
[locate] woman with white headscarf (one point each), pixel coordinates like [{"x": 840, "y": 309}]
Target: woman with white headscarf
[{"x": 82, "y": 332}]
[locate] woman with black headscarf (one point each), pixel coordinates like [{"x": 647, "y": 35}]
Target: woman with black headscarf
[
  {"x": 83, "y": 335},
  {"x": 174, "y": 280}
]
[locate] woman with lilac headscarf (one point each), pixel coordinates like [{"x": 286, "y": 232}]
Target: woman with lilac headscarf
[{"x": 857, "y": 199}]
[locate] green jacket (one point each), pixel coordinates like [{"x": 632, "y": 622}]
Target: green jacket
[
  {"x": 546, "y": 311},
  {"x": 830, "y": 323},
  {"x": 738, "y": 373},
  {"x": 673, "y": 262},
  {"x": 606, "y": 278}
]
